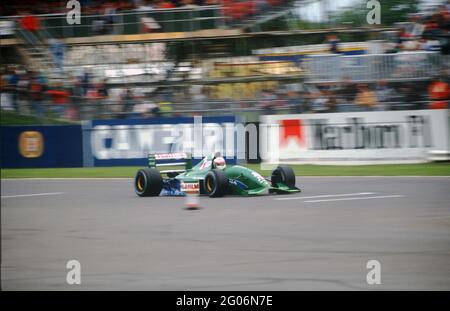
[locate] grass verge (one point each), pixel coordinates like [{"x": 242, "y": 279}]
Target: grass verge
[
  {"x": 426, "y": 169},
  {"x": 13, "y": 118}
]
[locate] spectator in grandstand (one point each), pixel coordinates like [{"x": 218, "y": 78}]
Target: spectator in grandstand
[
  {"x": 57, "y": 49},
  {"x": 330, "y": 90},
  {"x": 85, "y": 82},
  {"x": 147, "y": 108},
  {"x": 145, "y": 5},
  {"x": 143, "y": 109},
  {"x": 416, "y": 28},
  {"x": 37, "y": 89},
  {"x": 148, "y": 23},
  {"x": 165, "y": 4},
  {"x": 320, "y": 102},
  {"x": 439, "y": 93},
  {"x": 403, "y": 38},
  {"x": 333, "y": 43},
  {"x": 128, "y": 101},
  {"x": 102, "y": 89},
  {"x": 59, "y": 98},
  {"x": 109, "y": 16},
  {"x": 11, "y": 79},
  {"x": 281, "y": 99},
  {"x": 6, "y": 91},
  {"x": 105, "y": 18},
  {"x": 345, "y": 95},
  {"x": 409, "y": 96},
  {"x": 411, "y": 33},
  {"x": 23, "y": 93},
  {"x": 214, "y": 2},
  {"x": 30, "y": 26},
  {"x": 444, "y": 21},
  {"x": 102, "y": 92},
  {"x": 165, "y": 105},
  {"x": 444, "y": 28},
  {"x": 156, "y": 111},
  {"x": 99, "y": 26},
  {"x": 431, "y": 26},
  {"x": 77, "y": 89},
  {"x": 425, "y": 45},
  {"x": 130, "y": 5},
  {"x": 385, "y": 95},
  {"x": 94, "y": 103},
  {"x": 76, "y": 98},
  {"x": 268, "y": 101},
  {"x": 262, "y": 5},
  {"x": 188, "y": 4},
  {"x": 115, "y": 102},
  {"x": 296, "y": 102},
  {"x": 365, "y": 98}
]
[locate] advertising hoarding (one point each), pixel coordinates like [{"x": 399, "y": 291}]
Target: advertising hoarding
[{"x": 358, "y": 137}]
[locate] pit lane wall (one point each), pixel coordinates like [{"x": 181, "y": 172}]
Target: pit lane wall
[{"x": 355, "y": 138}]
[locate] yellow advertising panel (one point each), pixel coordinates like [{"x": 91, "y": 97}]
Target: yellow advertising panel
[
  {"x": 31, "y": 144},
  {"x": 248, "y": 90}
]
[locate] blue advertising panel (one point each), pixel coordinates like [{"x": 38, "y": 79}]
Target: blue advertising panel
[
  {"x": 126, "y": 142},
  {"x": 41, "y": 146}
]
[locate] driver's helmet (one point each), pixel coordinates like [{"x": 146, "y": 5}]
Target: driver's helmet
[{"x": 220, "y": 163}]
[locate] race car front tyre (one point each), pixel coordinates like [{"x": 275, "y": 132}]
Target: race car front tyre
[
  {"x": 283, "y": 174},
  {"x": 148, "y": 182},
  {"x": 215, "y": 183}
]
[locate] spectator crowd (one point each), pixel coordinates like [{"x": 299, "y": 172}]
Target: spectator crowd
[
  {"x": 27, "y": 92},
  {"x": 31, "y": 93},
  {"x": 348, "y": 96},
  {"x": 233, "y": 10},
  {"x": 425, "y": 28},
  {"x": 82, "y": 97}
]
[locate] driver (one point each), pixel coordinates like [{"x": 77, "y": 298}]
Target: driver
[{"x": 220, "y": 163}]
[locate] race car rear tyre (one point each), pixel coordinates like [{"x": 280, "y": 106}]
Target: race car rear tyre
[
  {"x": 215, "y": 183},
  {"x": 148, "y": 182},
  {"x": 283, "y": 174}
]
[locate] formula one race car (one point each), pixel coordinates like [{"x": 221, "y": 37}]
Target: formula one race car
[{"x": 210, "y": 176}]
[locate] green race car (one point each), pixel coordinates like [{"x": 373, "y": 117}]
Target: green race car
[{"x": 210, "y": 176}]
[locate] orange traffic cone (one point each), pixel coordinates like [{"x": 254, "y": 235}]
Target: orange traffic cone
[{"x": 192, "y": 201}]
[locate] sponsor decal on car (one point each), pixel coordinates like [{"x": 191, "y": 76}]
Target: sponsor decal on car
[
  {"x": 190, "y": 187},
  {"x": 238, "y": 183},
  {"x": 205, "y": 164},
  {"x": 169, "y": 156},
  {"x": 259, "y": 178}
]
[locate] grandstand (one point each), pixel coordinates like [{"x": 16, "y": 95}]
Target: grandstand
[{"x": 203, "y": 59}]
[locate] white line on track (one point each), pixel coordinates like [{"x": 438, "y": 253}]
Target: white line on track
[
  {"x": 326, "y": 196},
  {"x": 30, "y": 195},
  {"x": 358, "y": 198}
]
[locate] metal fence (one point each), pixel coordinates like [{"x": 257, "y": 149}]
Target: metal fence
[
  {"x": 417, "y": 65},
  {"x": 405, "y": 66},
  {"x": 133, "y": 22},
  {"x": 84, "y": 108}
]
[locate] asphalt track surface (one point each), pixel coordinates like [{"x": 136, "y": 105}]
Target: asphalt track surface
[{"x": 320, "y": 239}]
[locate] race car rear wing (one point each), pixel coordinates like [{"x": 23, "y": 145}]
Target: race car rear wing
[{"x": 170, "y": 159}]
